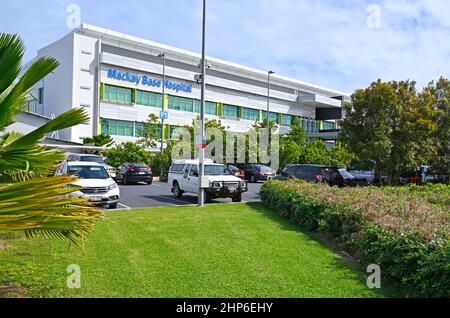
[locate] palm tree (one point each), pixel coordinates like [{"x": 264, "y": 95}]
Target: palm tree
[
  {"x": 99, "y": 141},
  {"x": 29, "y": 200}
]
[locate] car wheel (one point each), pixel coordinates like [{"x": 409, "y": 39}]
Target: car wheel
[
  {"x": 177, "y": 191},
  {"x": 150, "y": 182},
  {"x": 237, "y": 198},
  {"x": 112, "y": 206},
  {"x": 253, "y": 179},
  {"x": 125, "y": 180},
  {"x": 208, "y": 198}
]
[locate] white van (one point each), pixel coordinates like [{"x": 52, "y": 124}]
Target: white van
[{"x": 184, "y": 178}]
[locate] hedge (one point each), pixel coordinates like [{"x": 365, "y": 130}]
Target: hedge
[{"x": 401, "y": 231}]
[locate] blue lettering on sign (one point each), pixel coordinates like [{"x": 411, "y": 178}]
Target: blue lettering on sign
[{"x": 146, "y": 80}]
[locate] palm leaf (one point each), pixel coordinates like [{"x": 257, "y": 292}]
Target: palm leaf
[
  {"x": 11, "y": 54},
  {"x": 73, "y": 117},
  {"x": 43, "y": 207}
]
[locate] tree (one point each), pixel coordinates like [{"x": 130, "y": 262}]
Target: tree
[
  {"x": 99, "y": 141},
  {"x": 151, "y": 133},
  {"x": 290, "y": 152},
  {"x": 435, "y": 98},
  {"x": 28, "y": 201},
  {"x": 316, "y": 152},
  {"x": 386, "y": 124},
  {"x": 128, "y": 152}
]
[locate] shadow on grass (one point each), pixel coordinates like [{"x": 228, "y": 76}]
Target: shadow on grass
[{"x": 339, "y": 262}]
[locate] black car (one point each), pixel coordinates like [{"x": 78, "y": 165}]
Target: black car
[
  {"x": 134, "y": 173},
  {"x": 254, "y": 173},
  {"x": 333, "y": 176},
  {"x": 235, "y": 171}
]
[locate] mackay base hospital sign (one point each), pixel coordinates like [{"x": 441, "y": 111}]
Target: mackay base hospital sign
[{"x": 146, "y": 80}]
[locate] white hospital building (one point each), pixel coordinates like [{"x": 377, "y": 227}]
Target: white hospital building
[{"x": 118, "y": 79}]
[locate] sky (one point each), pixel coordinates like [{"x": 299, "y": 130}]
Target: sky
[{"x": 338, "y": 44}]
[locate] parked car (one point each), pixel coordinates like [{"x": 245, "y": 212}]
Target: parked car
[
  {"x": 93, "y": 158},
  {"x": 135, "y": 172},
  {"x": 235, "y": 171},
  {"x": 219, "y": 182},
  {"x": 255, "y": 173},
  {"x": 333, "y": 176},
  {"x": 97, "y": 185},
  {"x": 363, "y": 176}
]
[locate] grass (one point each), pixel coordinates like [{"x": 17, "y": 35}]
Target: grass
[{"x": 239, "y": 250}]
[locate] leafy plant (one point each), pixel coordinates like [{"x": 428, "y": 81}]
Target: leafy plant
[{"x": 33, "y": 204}]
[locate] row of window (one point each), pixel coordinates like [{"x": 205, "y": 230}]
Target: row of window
[
  {"x": 124, "y": 128},
  {"x": 125, "y": 95}
]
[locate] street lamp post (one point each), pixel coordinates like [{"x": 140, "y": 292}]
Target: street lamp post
[
  {"x": 268, "y": 105},
  {"x": 163, "y": 56},
  {"x": 201, "y": 197}
]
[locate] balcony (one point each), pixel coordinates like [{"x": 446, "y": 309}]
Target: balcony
[{"x": 32, "y": 106}]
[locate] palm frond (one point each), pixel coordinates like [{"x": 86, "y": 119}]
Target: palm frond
[
  {"x": 11, "y": 54},
  {"x": 73, "y": 117},
  {"x": 43, "y": 207}
]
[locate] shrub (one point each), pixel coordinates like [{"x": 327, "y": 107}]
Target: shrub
[{"x": 401, "y": 230}]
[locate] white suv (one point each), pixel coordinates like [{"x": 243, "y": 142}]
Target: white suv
[
  {"x": 184, "y": 178},
  {"x": 97, "y": 185}
]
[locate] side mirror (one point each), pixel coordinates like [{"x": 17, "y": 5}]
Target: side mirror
[{"x": 195, "y": 174}]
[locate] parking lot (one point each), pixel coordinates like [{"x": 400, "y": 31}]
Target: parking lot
[{"x": 159, "y": 194}]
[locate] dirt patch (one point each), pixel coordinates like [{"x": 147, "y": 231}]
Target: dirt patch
[
  {"x": 3, "y": 245},
  {"x": 9, "y": 290}
]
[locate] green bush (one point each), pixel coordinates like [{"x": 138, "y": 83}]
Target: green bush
[{"x": 398, "y": 230}]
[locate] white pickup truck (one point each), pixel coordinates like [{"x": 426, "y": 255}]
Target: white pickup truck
[{"x": 218, "y": 181}]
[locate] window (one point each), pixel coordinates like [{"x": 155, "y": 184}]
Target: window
[
  {"x": 287, "y": 120},
  {"x": 41, "y": 96},
  {"x": 230, "y": 111},
  {"x": 117, "y": 127},
  {"x": 273, "y": 116},
  {"x": 138, "y": 129},
  {"x": 177, "y": 168},
  {"x": 210, "y": 107},
  {"x": 149, "y": 99},
  {"x": 118, "y": 94},
  {"x": 181, "y": 103},
  {"x": 328, "y": 125},
  {"x": 251, "y": 114},
  {"x": 194, "y": 171}
]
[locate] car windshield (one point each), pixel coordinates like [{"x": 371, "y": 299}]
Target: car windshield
[
  {"x": 216, "y": 170},
  {"x": 92, "y": 159},
  {"x": 346, "y": 174},
  {"x": 89, "y": 172}
]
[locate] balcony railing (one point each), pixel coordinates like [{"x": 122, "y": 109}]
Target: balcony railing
[{"x": 33, "y": 106}]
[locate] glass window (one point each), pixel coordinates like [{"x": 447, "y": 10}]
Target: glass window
[
  {"x": 148, "y": 99},
  {"x": 287, "y": 120},
  {"x": 230, "y": 111},
  {"x": 210, "y": 107},
  {"x": 328, "y": 125},
  {"x": 273, "y": 116},
  {"x": 117, "y": 94},
  {"x": 41, "y": 96},
  {"x": 117, "y": 127},
  {"x": 181, "y": 103},
  {"x": 138, "y": 129},
  {"x": 251, "y": 114}
]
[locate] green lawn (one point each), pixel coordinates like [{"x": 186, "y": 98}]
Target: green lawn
[{"x": 239, "y": 250}]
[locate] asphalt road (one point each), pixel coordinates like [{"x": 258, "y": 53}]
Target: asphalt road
[{"x": 158, "y": 194}]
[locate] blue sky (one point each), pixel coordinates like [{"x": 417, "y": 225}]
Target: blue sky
[{"x": 343, "y": 44}]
